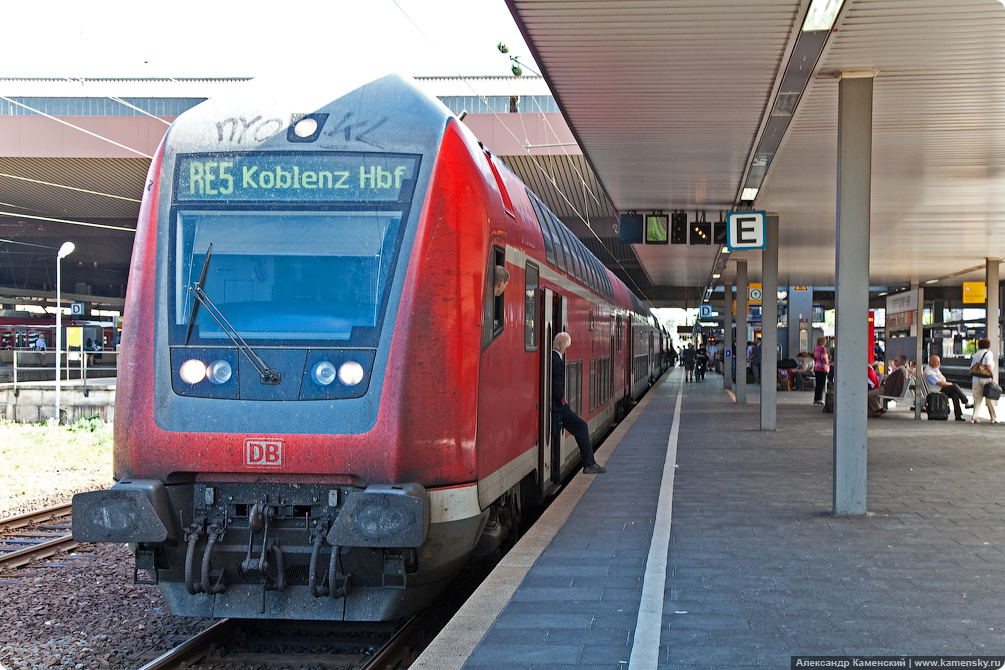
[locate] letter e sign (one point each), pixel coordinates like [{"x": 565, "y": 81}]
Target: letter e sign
[{"x": 746, "y": 230}]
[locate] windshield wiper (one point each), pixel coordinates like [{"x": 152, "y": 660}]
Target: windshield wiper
[
  {"x": 196, "y": 303},
  {"x": 268, "y": 375}
]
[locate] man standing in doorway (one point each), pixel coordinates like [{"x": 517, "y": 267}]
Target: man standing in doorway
[{"x": 562, "y": 415}]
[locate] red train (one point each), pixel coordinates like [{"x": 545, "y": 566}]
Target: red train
[{"x": 323, "y": 410}]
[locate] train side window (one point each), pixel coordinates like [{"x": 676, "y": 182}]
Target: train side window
[
  {"x": 530, "y": 309},
  {"x": 577, "y": 270},
  {"x": 568, "y": 264},
  {"x": 549, "y": 242},
  {"x": 560, "y": 251},
  {"x": 494, "y": 311},
  {"x": 618, "y": 339},
  {"x": 593, "y": 384}
]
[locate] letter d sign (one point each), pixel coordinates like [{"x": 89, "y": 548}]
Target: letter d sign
[{"x": 263, "y": 453}]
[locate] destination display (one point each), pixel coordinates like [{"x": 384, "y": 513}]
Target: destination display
[{"x": 294, "y": 177}]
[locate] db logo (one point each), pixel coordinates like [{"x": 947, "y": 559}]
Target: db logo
[{"x": 267, "y": 453}]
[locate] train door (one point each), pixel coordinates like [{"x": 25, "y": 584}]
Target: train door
[
  {"x": 553, "y": 310},
  {"x": 544, "y": 434}
]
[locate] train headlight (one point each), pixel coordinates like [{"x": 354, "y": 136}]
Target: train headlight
[
  {"x": 324, "y": 373},
  {"x": 219, "y": 372},
  {"x": 351, "y": 373},
  {"x": 192, "y": 371}
]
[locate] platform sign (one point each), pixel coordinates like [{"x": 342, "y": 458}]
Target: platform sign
[
  {"x": 974, "y": 292},
  {"x": 76, "y": 309},
  {"x": 706, "y": 312},
  {"x": 753, "y": 313},
  {"x": 74, "y": 336},
  {"x": 746, "y": 230}
]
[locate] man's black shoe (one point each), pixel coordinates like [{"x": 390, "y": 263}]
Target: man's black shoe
[
  {"x": 960, "y": 418},
  {"x": 594, "y": 469},
  {"x": 970, "y": 405}
]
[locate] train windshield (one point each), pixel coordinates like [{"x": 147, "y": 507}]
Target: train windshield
[{"x": 285, "y": 277}]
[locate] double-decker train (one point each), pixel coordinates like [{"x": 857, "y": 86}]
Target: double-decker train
[{"x": 323, "y": 408}]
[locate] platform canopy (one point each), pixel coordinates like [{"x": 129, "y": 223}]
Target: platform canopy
[{"x": 680, "y": 105}]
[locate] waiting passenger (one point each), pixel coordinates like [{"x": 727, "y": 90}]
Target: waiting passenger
[
  {"x": 935, "y": 379},
  {"x": 987, "y": 376},
  {"x": 894, "y": 386},
  {"x": 821, "y": 366},
  {"x": 688, "y": 356}
]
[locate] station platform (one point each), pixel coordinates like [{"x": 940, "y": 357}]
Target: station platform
[{"x": 752, "y": 568}]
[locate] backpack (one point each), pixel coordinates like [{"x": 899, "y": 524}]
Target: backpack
[{"x": 937, "y": 406}]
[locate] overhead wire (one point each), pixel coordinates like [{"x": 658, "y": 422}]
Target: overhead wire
[
  {"x": 67, "y": 123},
  {"x": 533, "y": 158}
]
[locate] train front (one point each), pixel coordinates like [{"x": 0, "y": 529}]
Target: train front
[{"x": 265, "y": 459}]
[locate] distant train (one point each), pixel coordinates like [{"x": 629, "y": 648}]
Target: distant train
[{"x": 323, "y": 409}]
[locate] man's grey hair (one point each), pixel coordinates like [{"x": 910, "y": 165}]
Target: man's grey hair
[{"x": 562, "y": 341}]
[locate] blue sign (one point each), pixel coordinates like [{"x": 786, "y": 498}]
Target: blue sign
[
  {"x": 705, "y": 312},
  {"x": 746, "y": 230}
]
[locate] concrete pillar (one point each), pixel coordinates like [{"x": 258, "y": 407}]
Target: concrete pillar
[
  {"x": 727, "y": 333},
  {"x": 742, "y": 293},
  {"x": 769, "y": 324},
  {"x": 854, "y": 193},
  {"x": 993, "y": 296}
]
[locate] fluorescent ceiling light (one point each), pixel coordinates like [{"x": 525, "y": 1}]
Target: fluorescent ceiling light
[
  {"x": 716, "y": 275},
  {"x": 822, "y": 15},
  {"x": 748, "y": 193},
  {"x": 931, "y": 281}
]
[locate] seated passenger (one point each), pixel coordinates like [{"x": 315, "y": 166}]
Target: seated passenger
[
  {"x": 894, "y": 385},
  {"x": 937, "y": 380},
  {"x": 803, "y": 371}
]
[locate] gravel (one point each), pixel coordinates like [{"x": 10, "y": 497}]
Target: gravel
[{"x": 81, "y": 609}]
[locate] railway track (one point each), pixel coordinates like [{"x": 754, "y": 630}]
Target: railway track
[
  {"x": 304, "y": 644},
  {"x": 35, "y": 535}
]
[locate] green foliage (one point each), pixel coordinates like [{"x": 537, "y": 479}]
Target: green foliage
[{"x": 42, "y": 460}]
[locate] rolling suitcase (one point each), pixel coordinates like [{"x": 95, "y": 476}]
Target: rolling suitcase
[
  {"x": 937, "y": 405},
  {"x": 829, "y": 400}
]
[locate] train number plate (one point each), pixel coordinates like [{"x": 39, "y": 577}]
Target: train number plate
[{"x": 263, "y": 453}]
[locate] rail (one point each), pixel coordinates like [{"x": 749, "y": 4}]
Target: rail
[
  {"x": 40, "y": 543},
  {"x": 74, "y": 364}
]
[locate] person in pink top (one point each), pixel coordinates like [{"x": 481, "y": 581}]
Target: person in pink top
[{"x": 820, "y": 370}]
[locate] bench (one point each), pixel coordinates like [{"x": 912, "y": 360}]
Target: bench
[{"x": 908, "y": 391}]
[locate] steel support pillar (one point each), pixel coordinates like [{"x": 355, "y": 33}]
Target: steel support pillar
[
  {"x": 769, "y": 324},
  {"x": 742, "y": 293},
  {"x": 727, "y": 336},
  {"x": 919, "y": 349},
  {"x": 854, "y": 177},
  {"x": 993, "y": 296}
]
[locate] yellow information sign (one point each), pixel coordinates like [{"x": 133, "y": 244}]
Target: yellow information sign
[
  {"x": 974, "y": 292},
  {"x": 74, "y": 336},
  {"x": 754, "y": 293}
]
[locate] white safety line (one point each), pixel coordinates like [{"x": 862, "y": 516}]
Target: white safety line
[{"x": 646, "y": 645}]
